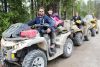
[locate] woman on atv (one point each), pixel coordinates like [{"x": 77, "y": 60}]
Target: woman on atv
[
  {"x": 57, "y": 22},
  {"x": 55, "y": 18}
]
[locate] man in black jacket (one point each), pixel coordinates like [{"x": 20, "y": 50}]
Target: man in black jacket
[{"x": 76, "y": 17}]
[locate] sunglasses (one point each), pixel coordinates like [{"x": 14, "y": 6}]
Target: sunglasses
[{"x": 41, "y": 11}]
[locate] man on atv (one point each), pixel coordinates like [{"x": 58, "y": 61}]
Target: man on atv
[
  {"x": 77, "y": 19},
  {"x": 42, "y": 18}
]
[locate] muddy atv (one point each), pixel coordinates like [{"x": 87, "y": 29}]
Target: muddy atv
[
  {"x": 80, "y": 32},
  {"x": 26, "y": 47},
  {"x": 94, "y": 27},
  {"x": 86, "y": 29}
]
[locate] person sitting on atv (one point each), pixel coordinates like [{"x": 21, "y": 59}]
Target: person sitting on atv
[
  {"x": 42, "y": 18},
  {"x": 58, "y": 22},
  {"x": 76, "y": 18}
]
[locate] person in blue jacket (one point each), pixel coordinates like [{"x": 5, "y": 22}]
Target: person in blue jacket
[{"x": 41, "y": 19}]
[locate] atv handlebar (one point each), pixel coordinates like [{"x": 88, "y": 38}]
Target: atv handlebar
[{"x": 41, "y": 25}]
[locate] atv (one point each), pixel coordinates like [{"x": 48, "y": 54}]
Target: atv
[
  {"x": 87, "y": 29},
  {"x": 24, "y": 46},
  {"x": 92, "y": 21},
  {"x": 80, "y": 32},
  {"x": 94, "y": 27}
]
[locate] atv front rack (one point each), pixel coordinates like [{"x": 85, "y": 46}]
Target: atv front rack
[{"x": 15, "y": 39}]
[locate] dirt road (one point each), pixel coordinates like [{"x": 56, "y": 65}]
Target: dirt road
[{"x": 87, "y": 55}]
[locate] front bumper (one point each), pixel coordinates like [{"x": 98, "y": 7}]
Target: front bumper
[{"x": 8, "y": 55}]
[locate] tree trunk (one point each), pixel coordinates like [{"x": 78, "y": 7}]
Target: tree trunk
[
  {"x": 1, "y": 5},
  {"x": 60, "y": 8},
  {"x": 5, "y": 5},
  {"x": 32, "y": 7}
]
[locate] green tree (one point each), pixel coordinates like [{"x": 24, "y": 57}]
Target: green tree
[{"x": 16, "y": 13}]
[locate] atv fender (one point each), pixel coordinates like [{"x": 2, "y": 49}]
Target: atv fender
[
  {"x": 60, "y": 40},
  {"x": 75, "y": 28}
]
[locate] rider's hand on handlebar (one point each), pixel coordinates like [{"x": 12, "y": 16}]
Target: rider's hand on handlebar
[
  {"x": 32, "y": 26},
  {"x": 35, "y": 25},
  {"x": 48, "y": 30}
]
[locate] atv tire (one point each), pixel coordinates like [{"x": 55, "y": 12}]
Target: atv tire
[
  {"x": 93, "y": 32},
  {"x": 68, "y": 48},
  {"x": 87, "y": 37},
  {"x": 97, "y": 32},
  {"x": 78, "y": 39},
  {"x": 35, "y": 58}
]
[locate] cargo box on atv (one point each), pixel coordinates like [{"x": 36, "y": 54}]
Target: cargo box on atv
[{"x": 14, "y": 30}]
